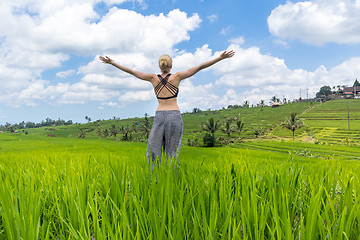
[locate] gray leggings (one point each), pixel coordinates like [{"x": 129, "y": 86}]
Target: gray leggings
[{"x": 165, "y": 135}]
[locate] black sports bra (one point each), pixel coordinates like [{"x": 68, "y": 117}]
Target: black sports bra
[{"x": 165, "y": 84}]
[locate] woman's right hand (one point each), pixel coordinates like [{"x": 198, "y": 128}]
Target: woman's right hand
[{"x": 106, "y": 59}]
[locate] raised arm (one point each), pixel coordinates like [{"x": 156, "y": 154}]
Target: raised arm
[
  {"x": 190, "y": 72},
  {"x": 143, "y": 76}
]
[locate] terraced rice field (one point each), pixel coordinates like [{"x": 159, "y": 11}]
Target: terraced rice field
[{"x": 329, "y": 121}]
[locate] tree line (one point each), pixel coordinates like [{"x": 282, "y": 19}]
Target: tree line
[
  {"x": 137, "y": 132},
  {"x": 48, "y": 122}
]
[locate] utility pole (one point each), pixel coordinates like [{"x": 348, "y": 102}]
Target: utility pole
[{"x": 307, "y": 93}]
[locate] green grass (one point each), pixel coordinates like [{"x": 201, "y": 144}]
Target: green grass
[
  {"x": 58, "y": 188},
  {"x": 329, "y": 121},
  {"x": 69, "y": 188},
  {"x": 335, "y": 152}
]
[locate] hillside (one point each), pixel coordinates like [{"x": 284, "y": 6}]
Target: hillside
[
  {"x": 324, "y": 123},
  {"x": 335, "y": 121}
]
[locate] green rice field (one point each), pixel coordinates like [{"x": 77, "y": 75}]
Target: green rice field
[{"x": 68, "y": 188}]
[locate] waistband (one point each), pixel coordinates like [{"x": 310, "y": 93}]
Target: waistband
[{"x": 168, "y": 112}]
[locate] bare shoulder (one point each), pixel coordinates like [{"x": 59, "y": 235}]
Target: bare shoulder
[
  {"x": 151, "y": 77},
  {"x": 177, "y": 77}
]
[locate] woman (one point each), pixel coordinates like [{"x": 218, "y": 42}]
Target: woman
[{"x": 166, "y": 131}]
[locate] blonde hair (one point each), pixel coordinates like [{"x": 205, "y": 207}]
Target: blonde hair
[{"x": 165, "y": 63}]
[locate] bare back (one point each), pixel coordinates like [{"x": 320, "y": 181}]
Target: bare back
[{"x": 166, "y": 104}]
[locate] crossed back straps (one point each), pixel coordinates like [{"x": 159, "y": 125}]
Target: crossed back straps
[{"x": 164, "y": 83}]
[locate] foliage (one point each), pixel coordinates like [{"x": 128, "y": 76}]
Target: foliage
[
  {"x": 146, "y": 126},
  {"x": 246, "y": 104},
  {"x": 81, "y": 134},
  {"x": 105, "y": 133},
  {"x": 196, "y": 110},
  {"x": 193, "y": 142},
  {"x": 274, "y": 99},
  {"x": 228, "y": 128},
  {"x": 209, "y": 140},
  {"x": 356, "y": 83},
  {"x": 25, "y": 125},
  {"x": 258, "y": 131},
  {"x": 99, "y": 132},
  {"x": 261, "y": 103},
  {"x": 234, "y": 106},
  {"x": 88, "y": 118},
  {"x": 114, "y": 131},
  {"x": 240, "y": 126},
  {"x": 293, "y": 123},
  {"x": 211, "y": 126},
  {"x": 127, "y": 133},
  {"x": 324, "y": 90}
]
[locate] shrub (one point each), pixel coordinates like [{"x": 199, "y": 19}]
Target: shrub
[{"x": 209, "y": 140}]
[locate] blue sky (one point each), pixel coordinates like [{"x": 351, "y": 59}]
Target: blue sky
[{"x": 49, "y": 53}]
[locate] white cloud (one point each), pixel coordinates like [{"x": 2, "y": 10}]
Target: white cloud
[
  {"x": 254, "y": 76},
  {"x": 110, "y": 104},
  {"x": 134, "y": 96},
  {"x": 200, "y": 96},
  {"x": 63, "y": 93},
  {"x": 225, "y": 31},
  {"x": 115, "y": 83},
  {"x": 257, "y": 76},
  {"x": 212, "y": 18},
  {"x": 35, "y": 91},
  {"x": 317, "y": 22},
  {"x": 187, "y": 60},
  {"x": 39, "y": 35},
  {"x": 65, "y": 74},
  {"x": 231, "y": 97},
  {"x": 81, "y": 93},
  {"x": 238, "y": 40}
]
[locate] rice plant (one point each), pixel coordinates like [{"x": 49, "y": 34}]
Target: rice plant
[{"x": 110, "y": 191}]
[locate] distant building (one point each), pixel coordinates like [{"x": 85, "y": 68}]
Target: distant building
[
  {"x": 351, "y": 92},
  {"x": 275, "y": 105}
]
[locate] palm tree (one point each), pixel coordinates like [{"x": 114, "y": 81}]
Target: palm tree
[
  {"x": 227, "y": 128},
  {"x": 246, "y": 104},
  {"x": 293, "y": 123},
  {"x": 114, "y": 131},
  {"x": 258, "y": 131},
  {"x": 99, "y": 131},
  {"x": 211, "y": 126},
  {"x": 81, "y": 133},
  {"x": 146, "y": 126},
  {"x": 105, "y": 133},
  {"x": 239, "y": 127},
  {"x": 261, "y": 103},
  {"x": 126, "y": 131},
  {"x": 273, "y": 99}
]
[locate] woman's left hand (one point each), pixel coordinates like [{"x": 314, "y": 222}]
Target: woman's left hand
[{"x": 226, "y": 54}]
